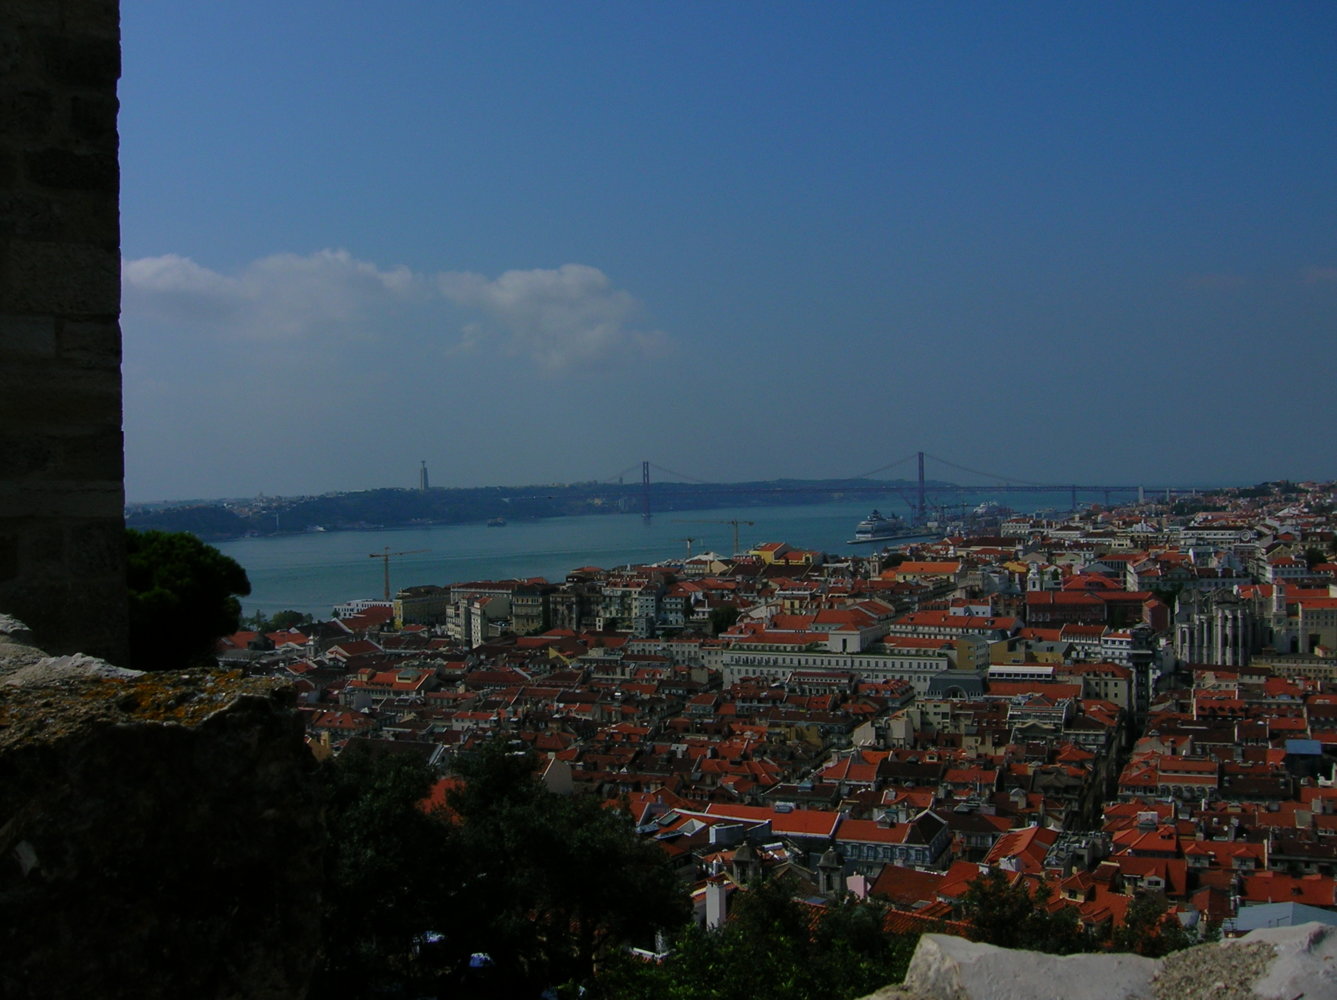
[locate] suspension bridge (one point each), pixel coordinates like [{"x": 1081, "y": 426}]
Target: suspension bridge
[{"x": 921, "y": 494}]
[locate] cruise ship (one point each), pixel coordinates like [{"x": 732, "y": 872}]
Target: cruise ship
[{"x": 878, "y": 527}]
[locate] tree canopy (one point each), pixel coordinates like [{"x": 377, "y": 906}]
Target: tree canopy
[
  {"x": 722, "y": 618},
  {"x": 555, "y": 882},
  {"x": 544, "y": 885},
  {"x": 281, "y": 621},
  {"x": 773, "y": 945},
  {"x": 1149, "y": 929},
  {"x": 387, "y": 877},
  {"x": 1005, "y": 913},
  {"x": 183, "y": 596}
]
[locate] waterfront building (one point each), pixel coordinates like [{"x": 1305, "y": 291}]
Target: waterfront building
[{"x": 422, "y": 605}]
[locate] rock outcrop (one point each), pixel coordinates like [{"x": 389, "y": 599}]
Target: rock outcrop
[
  {"x": 159, "y": 833},
  {"x": 1279, "y": 963}
]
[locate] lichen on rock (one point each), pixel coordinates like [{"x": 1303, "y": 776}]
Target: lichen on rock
[{"x": 159, "y": 834}]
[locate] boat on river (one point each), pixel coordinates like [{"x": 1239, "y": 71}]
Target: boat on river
[{"x": 879, "y": 527}]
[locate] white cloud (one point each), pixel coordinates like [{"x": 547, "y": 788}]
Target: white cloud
[
  {"x": 283, "y": 297},
  {"x": 558, "y": 319},
  {"x": 175, "y": 288}
]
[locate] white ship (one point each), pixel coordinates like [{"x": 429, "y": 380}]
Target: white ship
[{"x": 877, "y": 527}]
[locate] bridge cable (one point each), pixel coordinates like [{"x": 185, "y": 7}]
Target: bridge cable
[
  {"x": 682, "y": 475},
  {"x": 991, "y": 475},
  {"x": 618, "y": 475},
  {"x": 884, "y": 468}
]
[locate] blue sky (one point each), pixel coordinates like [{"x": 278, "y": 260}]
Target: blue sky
[{"x": 535, "y": 242}]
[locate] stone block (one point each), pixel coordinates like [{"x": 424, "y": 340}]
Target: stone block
[
  {"x": 12, "y": 50},
  {"x": 27, "y": 215},
  {"x": 63, "y": 170},
  {"x": 83, "y": 60},
  {"x": 26, "y": 456},
  {"x": 49, "y": 399},
  {"x": 97, "y": 550},
  {"x": 35, "y": 214},
  {"x": 27, "y": 338},
  {"x": 91, "y": 344},
  {"x": 46, "y": 549},
  {"x": 61, "y": 216},
  {"x": 95, "y": 18},
  {"x": 85, "y": 217},
  {"x": 93, "y": 456},
  {"x": 59, "y": 498},
  {"x": 34, "y": 13},
  {"x": 61, "y": 278},
  {"x": 93, "y": 120},
  {"x": 68, "y": 616},
  {"x": 26, "y": 115},
  {"x": 952, "y": 967}
]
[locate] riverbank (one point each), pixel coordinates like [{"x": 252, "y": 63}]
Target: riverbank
[{"x": 313, "y": 572}]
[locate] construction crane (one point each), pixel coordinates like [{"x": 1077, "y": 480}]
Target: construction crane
[
  {"x": 689, "y": 542},
  {"x": 735, "y": 522},
  {"x": 385, "y": 557}
]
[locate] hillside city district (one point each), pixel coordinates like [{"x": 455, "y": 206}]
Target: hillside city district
[{"x": 1119, "y": 701}]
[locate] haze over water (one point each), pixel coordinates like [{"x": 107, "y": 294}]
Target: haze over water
[{"x": 313, "y": 572}]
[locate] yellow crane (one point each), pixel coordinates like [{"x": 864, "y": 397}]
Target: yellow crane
[
  {"x": 735, "y": 522},
  {"x": 385, "y": 557}
]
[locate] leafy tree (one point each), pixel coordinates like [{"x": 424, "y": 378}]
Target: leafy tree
[
  {"x": 288, "y": 619},
  {"x": 388, "y": 876},
  {"x": 775, "y": 946},
  {"x": 281, "y": 622},
  {"x": 1169, "y": 596},
  {"x": 998, "y": 910},
  {"x": 554, "y": 884},
  {"x": 722, "y": 618},
  {"x": 856, "y": 953},
  {"x": 183, "y": 596},
  {"x": 1254, "y": 492},
  {"x": 1005, "y": 913},
  {"x": 1149, "y": 929}
]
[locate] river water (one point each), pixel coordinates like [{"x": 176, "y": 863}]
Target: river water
[{"x": 313, "y": 572}]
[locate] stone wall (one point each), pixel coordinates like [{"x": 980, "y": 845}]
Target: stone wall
[
  {"x": 62, "y": 553},
  {"x": 160, "y": 834},
  {"x": 1277, "y": 963}
]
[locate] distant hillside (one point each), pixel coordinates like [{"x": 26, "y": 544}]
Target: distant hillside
[{"x": 402, "y": 507}]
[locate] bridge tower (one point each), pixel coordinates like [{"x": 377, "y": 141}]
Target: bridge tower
[
  {"x": 645, "y": 490},
  {"x": 921, "y": 502}
]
